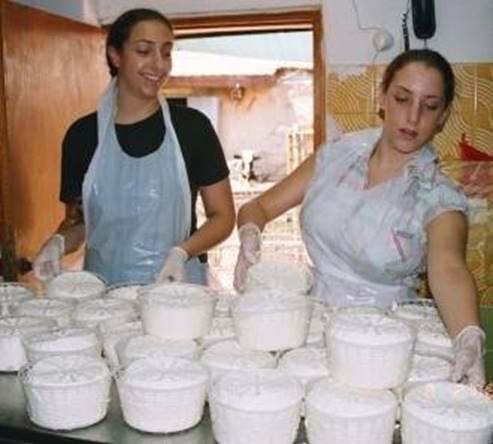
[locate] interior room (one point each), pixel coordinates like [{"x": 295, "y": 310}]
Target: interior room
[{"x": 278, "y": 81}]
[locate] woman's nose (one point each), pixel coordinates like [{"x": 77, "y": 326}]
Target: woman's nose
[
  {"x": 414, "y": 112},
  {"x": 158, "y": 59}
]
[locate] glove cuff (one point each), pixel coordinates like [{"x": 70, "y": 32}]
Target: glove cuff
[
  {"x": 475, "y": 328},
  {"x": 249, "y": 229},
  {"x": 464, "y": 335},
  {"x": 180, "y": 254},
  {"x": 59, "y": 240}
]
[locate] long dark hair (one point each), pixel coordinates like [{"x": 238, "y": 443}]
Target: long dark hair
[
  {"x": 429, "y": 58},
  {"x": 121, "y": 28}
]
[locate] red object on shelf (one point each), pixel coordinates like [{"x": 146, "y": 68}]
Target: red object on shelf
[
  {"x": 468, "y": 152},
  {"x": 477, "y": 170}
]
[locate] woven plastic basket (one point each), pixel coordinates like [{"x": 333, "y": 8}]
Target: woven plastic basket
[
  {"x": 11, "y": 293},
  {"x": 69, "y": 406},
  {"x": 177, "y": 311},
  {"x": 323, "y": 428},
  {"x": 272, "y": 328},
  {"x": 81, "y": 341},
  {"x": 12, "y": 330},
  {"x": 234, "y": 426},
  {"x": 76, "y": 285},
  {"x": 152, "y": 407}
]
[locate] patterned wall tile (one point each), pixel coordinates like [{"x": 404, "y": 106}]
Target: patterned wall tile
[
  {"x": 354, "y": 122},
  {"x": 484, "y": 108},
  {"x": 465, "y": 90},
  {"x": 485, "y": 87},
  {"x": 351, "y": 92},
  {"x": 447, "y": 142}
]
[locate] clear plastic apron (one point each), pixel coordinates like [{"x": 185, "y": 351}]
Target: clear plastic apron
[
  {"x": 365, "y": 244},
  {"x": 135, "y": 209}
]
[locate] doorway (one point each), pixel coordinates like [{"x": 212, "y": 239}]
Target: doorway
[{"x": 246, "y": 98}]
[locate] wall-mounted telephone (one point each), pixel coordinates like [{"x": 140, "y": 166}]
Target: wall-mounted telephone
[{"x": 424, "y": 24}]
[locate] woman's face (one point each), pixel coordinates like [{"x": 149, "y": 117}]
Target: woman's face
[
  {"x": 414, "y": 107},
  {"x": 144, "y": 61}
]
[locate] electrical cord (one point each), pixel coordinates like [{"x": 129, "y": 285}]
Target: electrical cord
[
  {"x": 368, "y": 28},
  {"x": 358, "y": 21},
  {"x": 405, "y": 29}
]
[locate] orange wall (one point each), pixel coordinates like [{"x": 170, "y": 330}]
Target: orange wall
[{"x": 54, "y": 71}]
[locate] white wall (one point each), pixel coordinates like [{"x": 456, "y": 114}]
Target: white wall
[
  {"x": 464, "y": 27},
  {"x": 80, "y": 10}
]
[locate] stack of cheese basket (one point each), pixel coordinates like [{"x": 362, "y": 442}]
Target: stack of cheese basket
[
  {"x": 66, "y": 382},
  {"x": 350, "y": 385},
  {"x": 263, "y": 359}
]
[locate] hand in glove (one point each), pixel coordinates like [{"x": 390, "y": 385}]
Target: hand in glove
[
  {"x": 174, "y": 267},
  {"x": 249, "y": 254},
  {"x": 47, "y": 264},
  {"x": 469, "y": 352}
]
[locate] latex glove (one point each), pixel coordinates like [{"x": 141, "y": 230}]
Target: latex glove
[
  {"x": 469, "y": 352},
  {"x": 173, "y": 269},
  {"x": 47, "y": 263},
  {"x": 249, "y": 254}
]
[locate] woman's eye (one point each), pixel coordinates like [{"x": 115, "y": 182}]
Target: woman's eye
[
  {"x": 400, "y": 99},
  {"x": 142, "y": 51},
  {"x": 431, "y": 107}
]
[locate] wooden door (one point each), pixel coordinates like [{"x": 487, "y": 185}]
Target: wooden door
[{"x": 54, "y": 70}]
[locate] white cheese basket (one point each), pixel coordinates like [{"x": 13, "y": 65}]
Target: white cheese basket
[
  {"x": 66, "y": 392},
  {"x": 162, "y": 394}
]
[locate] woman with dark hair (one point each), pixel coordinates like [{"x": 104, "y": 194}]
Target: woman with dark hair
[
  {"x": 131, "y": 171},
  {"x": 377, "y": 211}
]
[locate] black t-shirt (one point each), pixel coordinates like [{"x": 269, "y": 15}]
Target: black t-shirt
[{"x": 200, "y": 147}]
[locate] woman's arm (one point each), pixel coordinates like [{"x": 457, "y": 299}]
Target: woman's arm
[
  {"x": 286, "y": 194},
  {"x": 451, "y": 282},
  {"x": 453, "y": 288},
  {"x": 220, "y": 213}
]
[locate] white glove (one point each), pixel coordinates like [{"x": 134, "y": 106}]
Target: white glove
[
  {"x": 249, "y": 254},
  {"x": 469, "y": 352},
  {"x": 47, "y": 263},
  {"x": 174, "y": 267}
]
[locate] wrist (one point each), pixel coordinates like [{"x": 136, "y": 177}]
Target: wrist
[
  {"x": 471, "y": 328},
  {"x": 181, "y": 253},
  {"x": 248, "y": 229},
  {"x": 59, "y": 240}
]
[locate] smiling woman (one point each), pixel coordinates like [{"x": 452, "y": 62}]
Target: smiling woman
[{"x": 132, "y": 171}]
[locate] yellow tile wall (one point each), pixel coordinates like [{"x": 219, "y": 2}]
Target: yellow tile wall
[{"x": 352, "y": 102}]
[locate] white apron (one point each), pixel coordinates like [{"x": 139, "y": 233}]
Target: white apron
[
  {"x": 135, "y": 209},
  {"x": 367, "y": 246}
]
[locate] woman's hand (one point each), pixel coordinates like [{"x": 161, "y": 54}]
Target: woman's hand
[
  {"x": 47, "y": 263},
  {"x": 249, "y": 254},
  {"x": 173, "y": 269},
  {"x": 469, "y": 352}
]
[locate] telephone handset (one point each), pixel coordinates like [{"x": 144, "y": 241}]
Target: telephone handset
[{"x": 424, "y": 24}]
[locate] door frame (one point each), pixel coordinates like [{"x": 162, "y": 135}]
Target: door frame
[{"x": 7, "y": 244}]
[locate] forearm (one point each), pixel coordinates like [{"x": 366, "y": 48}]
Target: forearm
[
  {"x": 72, "y": 227},
  {"x": 455, "y": 294},
  {"x": 214, "y": 230},
  {"x": 74, "y": 235}
]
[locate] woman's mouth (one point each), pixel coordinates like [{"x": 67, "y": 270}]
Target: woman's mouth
[
  {"x": 152, "y": 78},
  {"x": 408, "y": 133}
]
